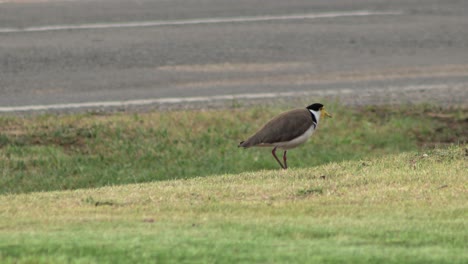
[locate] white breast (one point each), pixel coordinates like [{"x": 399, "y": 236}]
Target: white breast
[{"x": 297, "y": 141}]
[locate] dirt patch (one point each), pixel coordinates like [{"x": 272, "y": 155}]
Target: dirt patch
[
  {"x": 69, "y": 138},
  {"x": 448, "y": 131},
  {"x": 450, "y": 125}
]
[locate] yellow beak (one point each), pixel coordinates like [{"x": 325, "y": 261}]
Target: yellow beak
[{"x": 325, "y": 113}]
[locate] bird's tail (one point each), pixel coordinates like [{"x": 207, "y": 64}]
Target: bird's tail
[{"x": 242, "y": 144}]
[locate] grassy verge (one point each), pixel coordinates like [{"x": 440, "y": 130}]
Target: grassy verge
[
  {"x": 405, "y": 208},
  {"x": 49, "y": 152}
]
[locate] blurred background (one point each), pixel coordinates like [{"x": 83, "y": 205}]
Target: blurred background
[{"x": 88, "y": 52}]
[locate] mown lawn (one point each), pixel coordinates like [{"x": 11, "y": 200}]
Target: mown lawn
[
  {"x": 400, "y": 208},
  {"x": 63, "y": 152}
]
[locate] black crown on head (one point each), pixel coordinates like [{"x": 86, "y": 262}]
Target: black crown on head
[{"x": 315, "y": 107}]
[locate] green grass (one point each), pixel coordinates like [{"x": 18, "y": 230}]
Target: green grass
[
  {"x": 62, "y": 152},
  {"x": 403, "y": 208}
]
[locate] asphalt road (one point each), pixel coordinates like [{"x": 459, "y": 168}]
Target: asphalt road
[{"x": 83, "y": 52}]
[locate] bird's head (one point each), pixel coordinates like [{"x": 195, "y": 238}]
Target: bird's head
[{"x": 317, "y": 107}]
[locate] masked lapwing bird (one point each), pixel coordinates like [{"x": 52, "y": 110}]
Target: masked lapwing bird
[{"x": 287, "y": 130}]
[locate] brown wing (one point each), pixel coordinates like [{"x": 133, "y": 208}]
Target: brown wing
[{"x": 284, "y": 127}]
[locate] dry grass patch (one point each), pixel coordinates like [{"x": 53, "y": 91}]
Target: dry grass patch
[{"x": 402, "y": 208}]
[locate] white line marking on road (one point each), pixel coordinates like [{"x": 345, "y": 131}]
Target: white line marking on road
[
  {"x": 200, "y": 21},
  {"x": 198, "y": 99}
]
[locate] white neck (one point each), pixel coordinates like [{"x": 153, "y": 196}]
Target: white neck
[{"x": 316, "y": 114}]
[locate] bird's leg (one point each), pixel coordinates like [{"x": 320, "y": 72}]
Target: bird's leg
[
  {"x": 274, "y": 155},
  {"x": 284, "y": 159}
]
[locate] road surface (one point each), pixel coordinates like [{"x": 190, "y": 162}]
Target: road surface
[{"x": 59, "y": 54}]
